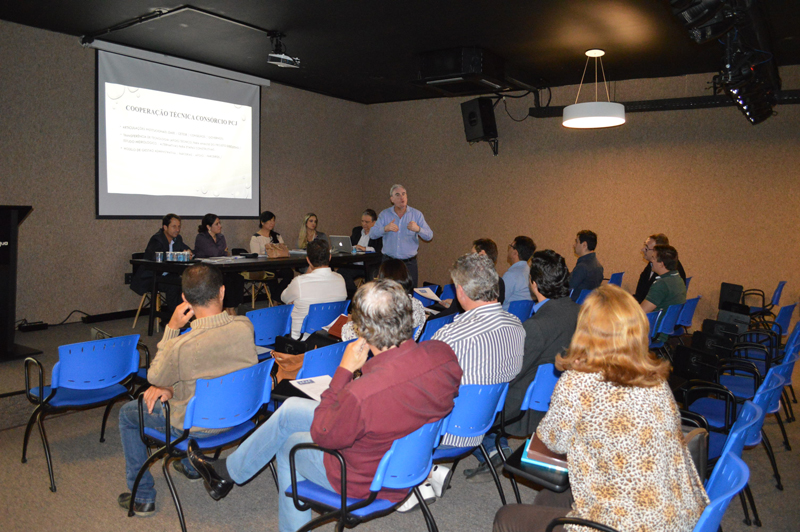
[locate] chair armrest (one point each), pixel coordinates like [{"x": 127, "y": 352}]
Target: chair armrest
[
  {"x": 28, "y": 363},
  {"x": 694, "y": 418},
  {"x": 755, "y": 292},
  {"x": 314, "y": 447},
  {"x": 167, "y": 428},
  {"x": 577, "y": 521}
]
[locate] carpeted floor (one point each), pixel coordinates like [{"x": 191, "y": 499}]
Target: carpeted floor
[{"x": 90, "y": 474}]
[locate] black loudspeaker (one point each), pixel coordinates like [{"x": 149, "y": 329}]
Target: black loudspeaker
[{"x": 479, "y": 123}]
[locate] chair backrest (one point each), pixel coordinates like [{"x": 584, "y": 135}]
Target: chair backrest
[
  {"x": 448, "y": 291},
  {"x": 321, "y": 314},
  {"x": 616, "y": 278},
  {"x": 431, "y": 326},
  {"x": 764, "y": 397},
  {"x": 793, "y": 341},
  {"x": 322, "y": 361},
  {"x": 521, "y": 309},
  {"x": 229, "y": 400},
  {"x": 425, "y": 301},
  {"x": 781, "y": 325},
  {"x": 667, "y": 325},
  {"x": 784, "y": 370},
  {"x": 652, "y": 319},
  {"x": 409, "y": 460},
  {"x": 688, "y": 280},
  {"x": 687, "y": 312},
  {"x": 270, "y": 322},
  {"x": 776, "y": 295},
  {"x": 582, "y": 297},
  {"x": 475, "y": 409},
  {"x": 537, "y": 396},
  {"x": 749, "y": 415},
  {"x": 96, "y": 364},
  {"x": 729, "y": 478}
]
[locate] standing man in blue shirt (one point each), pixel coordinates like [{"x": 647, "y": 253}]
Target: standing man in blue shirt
[
  {"x": 401, "y": 227},
  {"x": 516, "y": 277}
]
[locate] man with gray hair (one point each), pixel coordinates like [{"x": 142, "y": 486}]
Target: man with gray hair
[
  {"x": 487, "y": 340},
  {"x": 401, "y": 227},
  {"x": 404, "y": 386}
]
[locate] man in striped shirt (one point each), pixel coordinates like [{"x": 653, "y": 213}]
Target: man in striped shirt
[{"x": 487, "y": 340}]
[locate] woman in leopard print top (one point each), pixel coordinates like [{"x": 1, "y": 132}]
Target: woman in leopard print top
[{"x": 615, "y": 418}]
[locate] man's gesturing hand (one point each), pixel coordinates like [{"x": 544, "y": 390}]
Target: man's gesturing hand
[{"x": 392, "y": 227}]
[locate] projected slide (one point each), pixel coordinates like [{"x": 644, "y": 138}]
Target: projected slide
[
  {"x": 175, "y": 140},
  {"x": 162, "y": 144}
]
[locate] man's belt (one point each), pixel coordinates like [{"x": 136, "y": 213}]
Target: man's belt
[{"x": 404, "y": 260}]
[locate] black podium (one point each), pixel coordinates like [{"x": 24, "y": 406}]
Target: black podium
[{"x": 11, "y": 216}]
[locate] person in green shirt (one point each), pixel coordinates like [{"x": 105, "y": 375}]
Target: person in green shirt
[{"x": 669, "y": 288}]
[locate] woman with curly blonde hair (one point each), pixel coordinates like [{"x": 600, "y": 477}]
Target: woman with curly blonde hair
[{"x": 615, "y": 418}]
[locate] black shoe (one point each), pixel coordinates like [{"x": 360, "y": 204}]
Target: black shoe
[
  {"x": 481, "y": 473},
  {"x": 215, "y": 485},
  {"x": 142, "y": 509},
  {"x": 178, "y": 466}
]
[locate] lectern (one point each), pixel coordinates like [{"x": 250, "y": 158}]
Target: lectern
[{"x": 11, "y": 216}]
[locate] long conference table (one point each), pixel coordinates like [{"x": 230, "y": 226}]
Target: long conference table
[{"x": 238, "y": 265}]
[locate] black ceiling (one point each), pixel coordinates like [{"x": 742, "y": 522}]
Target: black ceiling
[{"x": 367, "y": 51}]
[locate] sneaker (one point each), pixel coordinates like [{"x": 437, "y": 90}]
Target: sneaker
[
  {"x": 142, "y": 509},
  {"x": 428, "y": 495},
  {"x": 439, "y": 479},
  {"x": 178, "y": 466}
]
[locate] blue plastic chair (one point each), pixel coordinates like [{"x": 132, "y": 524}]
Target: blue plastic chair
[
  {"x": 666, "y": 326},
  {"x": 448, "y": 291},
  {"x": 321, "y": 314},
  {"x": 433, "y": 325},
  {"x": 616, "y": 278},
  {"x": 766, "y": 308},
  {"x": 686, "y": 316},
  {"x": 785, "y": 370},
  {"x": 523, "y": 309},
  {"x": 652, "y": 319},
  {"x": 688, "y": 280},
  {"x": 322, "y": 361},
  {"x": 405, "y": 466},
  {"x": 582, "y": 297},
  {"x": 228, "y": 402},
  {"x": 474, "y": 411},
  {"x": 269, "y": 323},
  {"x": 425, "y": 301},
  {"x": 88, "y": 374},
  {"x": 730, "y": 476}
]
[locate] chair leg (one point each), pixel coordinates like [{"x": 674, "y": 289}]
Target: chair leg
[
  {"x": 794, "y": 398},
  {"x": 274, "y": 475},
  {"x": 138, "y": 311},
  {"x": 750, "y": 498},
  {"x": 43, "y": 434},
  {"x": 771, "y": 455},
  {"x": 175, "y": 499},
  {"x": 787, "y": 405},
  {"x": 28, "y": 428},
  {"x": 105, "y": 419},
  {"x": 426, "y": 512},
  {"x": 747, "y": 520},
  {"x": 253, "y": 295},
  {"x": 783, "y": 431},
  {"x": 494, "y": 474},
  {"x": 145, "y": 466}
]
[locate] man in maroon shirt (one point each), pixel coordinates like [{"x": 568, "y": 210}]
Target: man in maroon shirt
[{"x": 404, "y": 386}]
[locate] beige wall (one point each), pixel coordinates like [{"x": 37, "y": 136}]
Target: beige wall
[
  {"x": 311, "y": 160},
  {"x": 724, "y": 191}
]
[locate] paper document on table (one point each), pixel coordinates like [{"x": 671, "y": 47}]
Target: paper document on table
[
  {"x": 427, "y": 292},
  {"x": 313, "y": 387},
  {"x": 432, "y": 312}
]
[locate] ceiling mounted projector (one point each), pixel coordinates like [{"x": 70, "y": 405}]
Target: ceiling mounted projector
[{"x": 283, "y": 60}]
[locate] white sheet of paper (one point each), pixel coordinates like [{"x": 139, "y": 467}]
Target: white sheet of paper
[
  {"x": 431, "y": 311},
  {"x": 427, "y": 292},
  {"x": 313, "y": 387},
  {"x": 262, "y": 350}
]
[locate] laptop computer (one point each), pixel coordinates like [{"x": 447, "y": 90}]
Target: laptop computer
[{"x": 341, "y": 244}]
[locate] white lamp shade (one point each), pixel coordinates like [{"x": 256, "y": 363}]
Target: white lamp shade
[{"x": 593, "y": 115}]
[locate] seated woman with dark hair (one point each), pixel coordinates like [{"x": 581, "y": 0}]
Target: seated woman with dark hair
[
  {"x": 265, "y": 236},
  {"x": 395, "y": 270},
  {"x": 210, "y": 242},
  {"x": 615, "y": 418}
]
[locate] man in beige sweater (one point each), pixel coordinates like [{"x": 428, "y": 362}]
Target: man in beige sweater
[{"x": 216, "y": 345}]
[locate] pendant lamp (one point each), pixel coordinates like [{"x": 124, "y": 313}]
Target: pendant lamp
[{"x": 594, "y": 115}]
